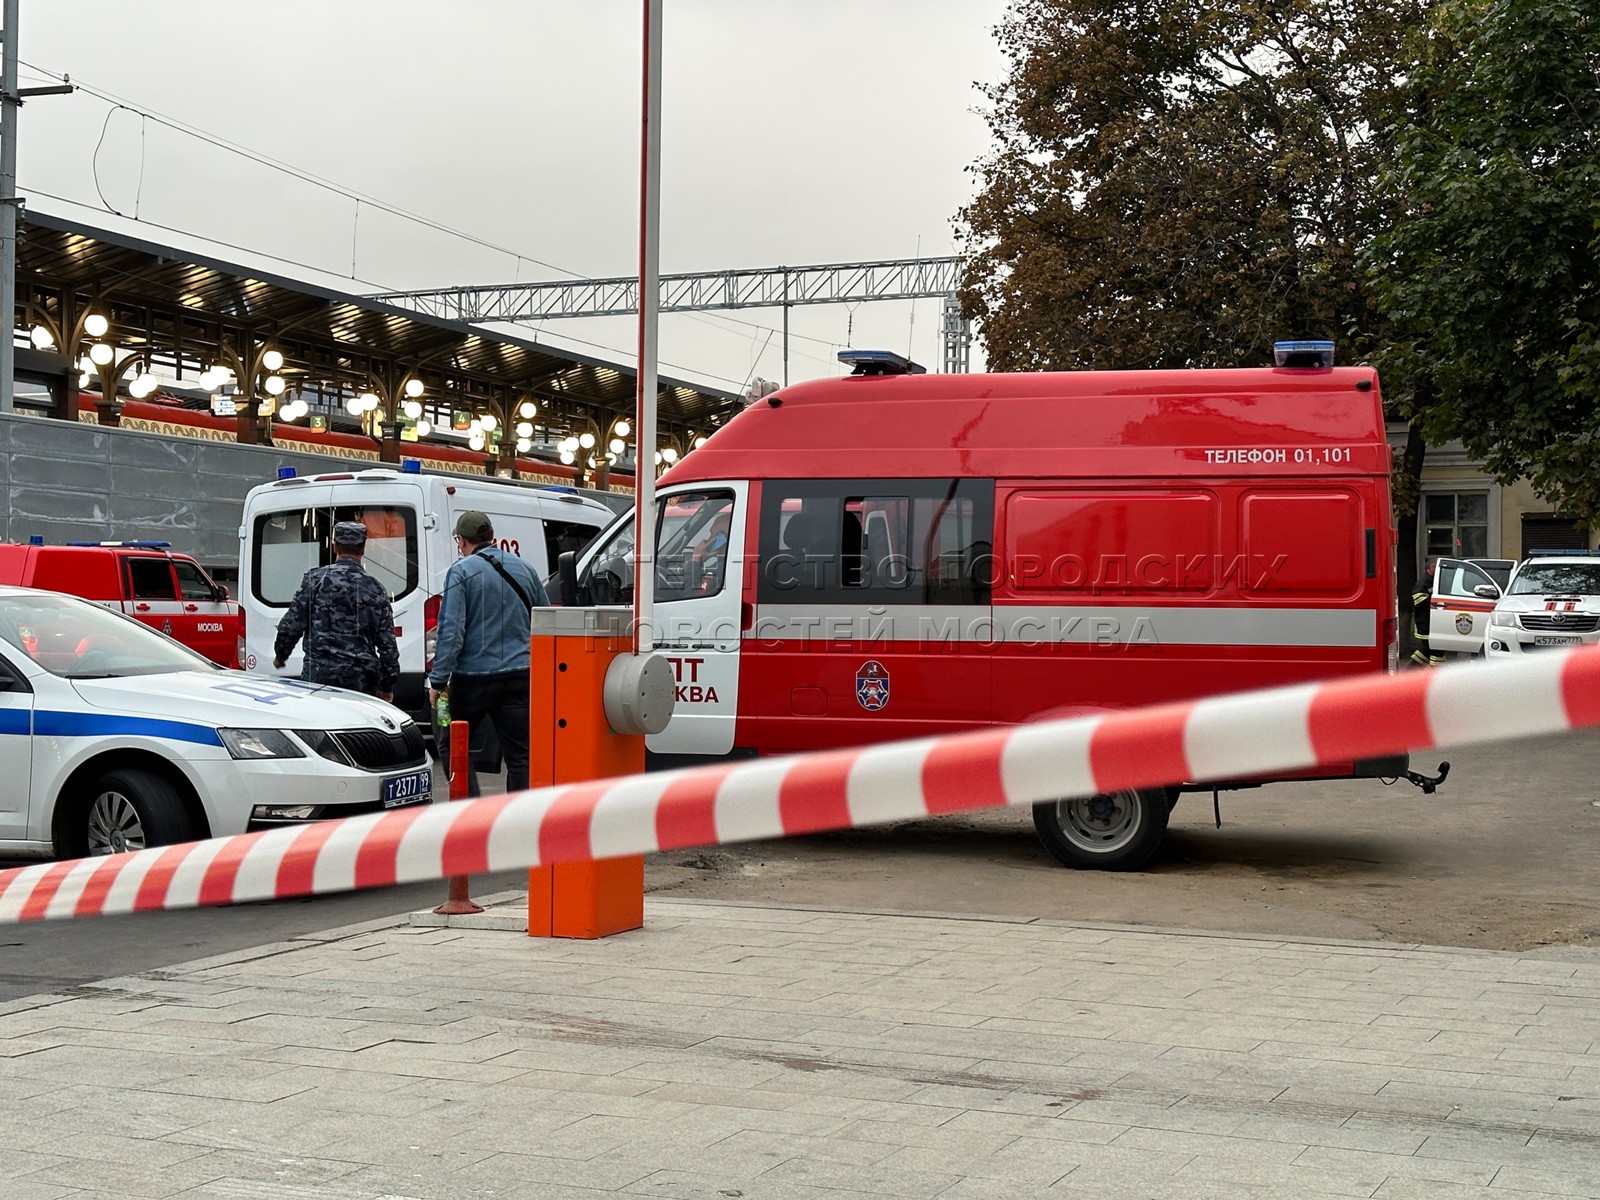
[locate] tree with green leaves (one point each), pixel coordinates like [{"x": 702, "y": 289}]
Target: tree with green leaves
[
  {"x": 1180, "y": 183},
  {"x": 1492, "y": 264}
]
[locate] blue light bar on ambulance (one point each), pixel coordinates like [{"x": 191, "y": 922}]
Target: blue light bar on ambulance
[
  {"x": 412, "y": 466},
  {"x": 1315, "y": 352},
  {"x": 879, "y": 362}
]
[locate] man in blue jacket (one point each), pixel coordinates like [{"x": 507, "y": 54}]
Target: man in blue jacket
[{"x": 482, "y": 657}]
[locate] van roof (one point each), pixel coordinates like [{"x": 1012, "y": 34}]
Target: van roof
[
  {"x": 566, "y": 495},
  {"x": 1092, "y": 423}
]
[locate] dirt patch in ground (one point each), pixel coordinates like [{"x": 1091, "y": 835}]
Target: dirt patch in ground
[{"x": 1505, "y": 856}]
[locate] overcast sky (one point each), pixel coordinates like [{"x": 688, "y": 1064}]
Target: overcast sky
[{"x": 794, "y": 132}]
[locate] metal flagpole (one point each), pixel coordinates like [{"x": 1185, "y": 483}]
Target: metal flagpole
[
  {"x": 644, "y": 472},
  {"x": 10, "y": 102}
]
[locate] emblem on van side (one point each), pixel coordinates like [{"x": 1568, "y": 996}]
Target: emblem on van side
[
  {"x": 872, "y": 685},
  {"x": 1463, "y": 623}
]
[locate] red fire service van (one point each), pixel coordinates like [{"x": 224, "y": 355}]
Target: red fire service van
[
  {"x": 145, "y": 580},
  {"x": 895, "y": 554}
]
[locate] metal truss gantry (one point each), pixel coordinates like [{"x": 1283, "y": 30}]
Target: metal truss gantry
[{"x": 699, "y": 291}]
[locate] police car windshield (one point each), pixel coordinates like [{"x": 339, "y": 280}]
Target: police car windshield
[
  {"x": 1549, "y": 579},
  {"x": 78, "y": 640}
]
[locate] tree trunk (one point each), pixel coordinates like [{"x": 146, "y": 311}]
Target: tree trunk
[{"x": 1408, "y": 506}]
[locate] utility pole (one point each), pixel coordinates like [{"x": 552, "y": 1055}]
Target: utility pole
[
  {"x": 10, "y": 202},
  {"x": 10, "y": 102}
]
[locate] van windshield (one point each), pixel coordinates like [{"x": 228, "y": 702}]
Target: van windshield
[{"x": 288, "y": 543}]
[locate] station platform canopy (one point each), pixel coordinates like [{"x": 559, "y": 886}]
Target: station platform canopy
[{"x": 191, "y": 319}]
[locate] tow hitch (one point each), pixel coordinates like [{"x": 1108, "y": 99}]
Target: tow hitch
[{"x": 1428, "y": 783}]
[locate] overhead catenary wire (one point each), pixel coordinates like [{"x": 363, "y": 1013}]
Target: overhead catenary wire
[{"x": 358, "y": 198}]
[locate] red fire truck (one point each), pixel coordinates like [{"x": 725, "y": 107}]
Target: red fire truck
[{"x": 896, "y": 554}]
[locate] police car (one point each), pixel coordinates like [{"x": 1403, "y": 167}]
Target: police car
[
  {"x": 1553, "y": 601},
  {"x": 114, "y": 737}
]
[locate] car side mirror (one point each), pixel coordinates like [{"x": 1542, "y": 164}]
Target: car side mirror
[
  {"x": 1487, "y": 590},
  {"x": 219, "y": 593},
  {"x": 567, "y": 578}
]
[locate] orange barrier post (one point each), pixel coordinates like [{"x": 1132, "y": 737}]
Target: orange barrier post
[
  {"x": 459, "y": 898},
  {"x": 570, "y": 741}
]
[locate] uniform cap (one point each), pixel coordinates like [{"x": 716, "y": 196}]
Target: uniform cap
[
  {"x": 350, "y": 533},
  {"x": 474, "y": 526}
]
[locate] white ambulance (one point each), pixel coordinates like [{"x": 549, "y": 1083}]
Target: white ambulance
[{"x": 410, "y": 517}]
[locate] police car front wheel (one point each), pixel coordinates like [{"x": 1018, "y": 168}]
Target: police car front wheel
[
  {"x": 1112, "y": 831},
  {"x": 131, "y": 809}
]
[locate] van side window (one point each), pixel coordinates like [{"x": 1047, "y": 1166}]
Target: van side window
[
  {"x": 895, "y": 541},
  {"x": 560, "y": 537},
  {"x": 192, "y": 583},
  {"x": 693, "y": 540},
  {"x": 150, "y": 579},
  {"x": 288, "y": 543}
]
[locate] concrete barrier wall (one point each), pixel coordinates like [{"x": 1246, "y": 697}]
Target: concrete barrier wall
[{"x": 80, "y": 482}]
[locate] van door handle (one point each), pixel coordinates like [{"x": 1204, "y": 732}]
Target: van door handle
[
  {"x": 141, "y": 608},
  {"x": 191, "y": 608}
]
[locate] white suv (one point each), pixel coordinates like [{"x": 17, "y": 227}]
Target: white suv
[{"x": 1553, "y": 601}]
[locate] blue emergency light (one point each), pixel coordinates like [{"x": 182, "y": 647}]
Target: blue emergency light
[
  {"x": 131, "y": 545},
  {"x": 1313, "y": 352},
  {"x": 879, "y": 362},
  {"x": 285, "y": 472},
  {"x": 412, "y": 465},
  {"x": 36, "y": 539}
]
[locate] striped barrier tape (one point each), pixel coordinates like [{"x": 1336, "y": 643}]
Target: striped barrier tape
[{"x": 1253, "y": 733}]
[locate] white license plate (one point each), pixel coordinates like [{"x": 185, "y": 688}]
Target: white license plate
[
  {"x": 411, "y": 788},
  {"x": 1551, "y": 639}
]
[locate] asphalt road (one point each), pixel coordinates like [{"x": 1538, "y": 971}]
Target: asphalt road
[{"x": 48, "y": 956}]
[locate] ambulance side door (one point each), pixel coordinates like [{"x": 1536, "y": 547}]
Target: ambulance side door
[{"x": 1460, "y": 617}]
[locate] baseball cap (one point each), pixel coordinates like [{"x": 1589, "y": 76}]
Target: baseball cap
[
  {"x": 350, "y": 533},
  {"x": 474, "y": 526}
]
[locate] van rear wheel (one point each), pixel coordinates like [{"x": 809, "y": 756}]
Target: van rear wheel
[{"x": 1111, "y": 831}]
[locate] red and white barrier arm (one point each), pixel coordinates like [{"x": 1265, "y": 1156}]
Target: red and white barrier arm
[{"x": 1253, "y": 733}]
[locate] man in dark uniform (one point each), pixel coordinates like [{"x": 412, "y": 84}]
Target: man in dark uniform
[{"x": 346, "y": 618}]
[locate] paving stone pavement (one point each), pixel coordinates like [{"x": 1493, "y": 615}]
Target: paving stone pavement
[{"x": 748, "y": 1051}]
